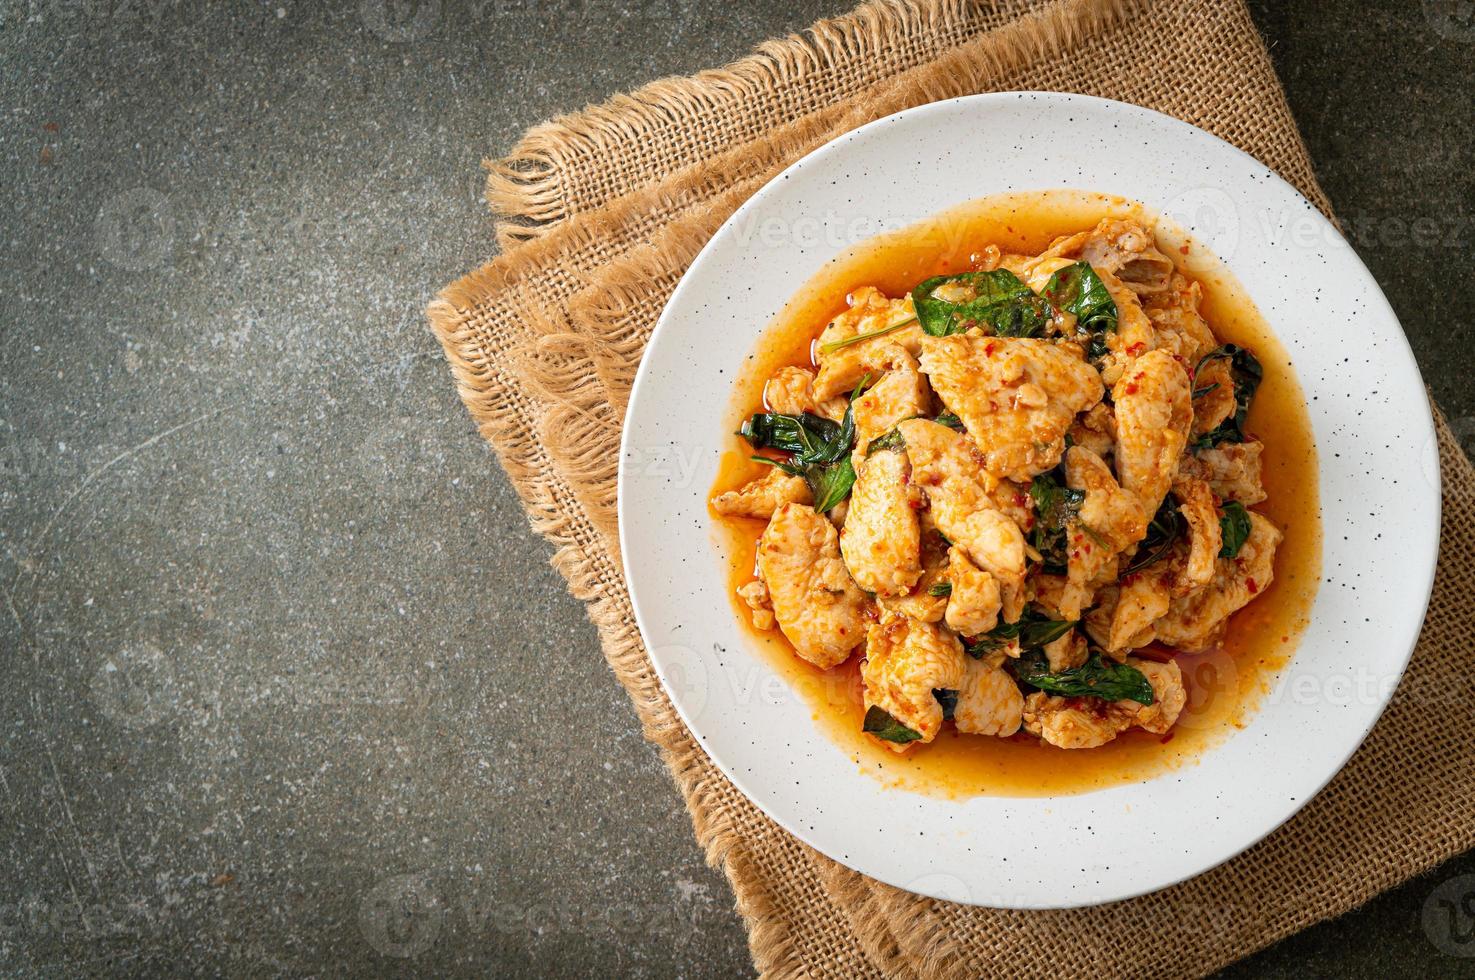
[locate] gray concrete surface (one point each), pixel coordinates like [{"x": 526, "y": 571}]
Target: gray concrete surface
[{"x": 289, "y": 686}]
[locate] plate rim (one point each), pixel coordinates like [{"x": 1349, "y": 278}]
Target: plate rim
[{"x": 690, "y": 276}]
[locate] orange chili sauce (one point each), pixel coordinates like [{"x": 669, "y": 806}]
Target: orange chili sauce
[{"x": 1225, "y": 686}]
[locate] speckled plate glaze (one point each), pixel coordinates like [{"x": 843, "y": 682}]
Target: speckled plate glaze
[{"x": 1379, "y": 486}]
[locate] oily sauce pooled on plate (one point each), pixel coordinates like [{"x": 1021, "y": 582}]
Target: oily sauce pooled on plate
[{"x": 1010, "y": 624}]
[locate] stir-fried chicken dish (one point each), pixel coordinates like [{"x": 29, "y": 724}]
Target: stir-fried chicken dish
[{"x": 1017, "y": 493}]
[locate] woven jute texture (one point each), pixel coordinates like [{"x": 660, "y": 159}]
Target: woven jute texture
[{"x": 603, "y": 211}]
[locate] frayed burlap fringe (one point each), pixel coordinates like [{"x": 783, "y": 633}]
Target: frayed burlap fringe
[
  {"x": 558, "y": 168},
  {"x": 543, "y": 344}
]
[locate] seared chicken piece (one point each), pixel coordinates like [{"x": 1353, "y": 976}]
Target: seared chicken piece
[
  {"x": 946, "y": 467},
  {"x": 920, "y": 603},
  {"x": 755, "y": 594},
  {"x": 1193, "y": 621},
  {"x": 905, "y": 662},
  {"x": 1016, "y": 397},
  {"x": 1141, "y": 600},
  {"x": 1085, "y": 723},
  {"x": 791, "y": 392},
  {"x": 973, "y": 604},
  {"x": 1123, "y": 247},
  {"x": 818, "y": 607},
  {"x": 1133, "y": 336},
  {"x": 1065, "y": 652},
  {"x": 763, "y": 496},
  {"x": 1176, "y": 321},
  {"x": 1095, "y": 429},
  {"x": 841, "y": 369},
  {"x": 1153, "y": 413},
  {"x": 1232, "y": 470},
  {"x": 1110, "y": 519},
  {"x": 882, "y": 537},
  {"x": 901, "y": 393},
  {"x": 989, "y": 702},
  {"x": 1196, "y": 504},
  {"x": 1217, "y": 402}
]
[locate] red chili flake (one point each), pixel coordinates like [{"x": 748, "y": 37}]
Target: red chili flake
[
  {"x": 1183, "y": 248},
  {"x": 1136, "y": 349},
  {"x": 988, "y": 348},
  {"x": 1129, "y": 579},
  {"x": 1131, "y": 389},
  {"x": 1254, "y": 588}
]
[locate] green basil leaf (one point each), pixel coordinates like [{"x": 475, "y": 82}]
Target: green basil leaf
[
  {"x": 1167, "y": 527},
  {"x": 1078, "y": 289},
  {"x": 940, "y": 589},
  {"x": 1234, "y": 525},
  {"x": 806, "y": 436},
  {"x": 1056, "y": 507},
  {"x": 830, "y": 483},
  {"x": 949, "y": 701},
  {"x": 1096, "y": 678},
  {"x": 892, "y": 440},
  {"x": 1247, "y": 373},
  {"x": 950, "y": 420},
  {"x": 880, "y": 724},
  {"x": 1001, "y": 303},
  {"x": 1032, "y": 631}
]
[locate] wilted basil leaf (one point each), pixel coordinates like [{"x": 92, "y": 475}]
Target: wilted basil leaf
[
  {"x": 940, "y": 589},
  {"x": 880, "y": 724},
  {"x": 1096, "y": 678},
  {"x": 950, "y": 420},
  {"x": 949, "y": 701},
  {"x": 1245, "y": 368},
  {"x": 1001, "y": 304},
  {"x": 1056, "y": 507},
  {"x": 1234, "y": 525},
  {"x": 1032, "y": 631},
  {"x": 1078, "y": 289},
  {"x": 891, "y": 440},
  {"x": 820, "y": 450},
  {"x": 1166, "y": 527}
]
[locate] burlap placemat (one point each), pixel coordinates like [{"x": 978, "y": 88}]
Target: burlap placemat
[{"x": 605, "y": 210}]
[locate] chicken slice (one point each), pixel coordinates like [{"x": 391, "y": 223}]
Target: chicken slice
[
  {"x": 905, "y": 662},
  {"x": 920, "y": 603},
  {"x": 791, "y": 392},
  {"x": 1196, "y": 504},
  {"x": 1232, "y": 470},
  {"x": 1085, "y": 723},
  {"x": 989, "y": 702},
  {"x": 1176, "y": 322},
  {"x": 818, "y": 607},
  {"x": 973, "y": 604},
  {"x": 763, "y": 496},
  {"x": 1110, "y": 519},
  {"x": 946, "y": 467},
  {"x": 902, "y": 393},
  {"x": 882, "y": 537},
  {"x": 1193, "y": 622},
  {"x": 1153, "y": 413},
  {"x": 1217, "y": 402},
  {"x": 755, "y": 594},
  {"x": 841, "y": 369},
  {"x": 1016, "y": 397},
  {"x": 1123, "y": 247},
  {"x": 1133, "y": 336},
  {"x": 1095, "y": 429},
  {"x": 1141, "y": 600}
]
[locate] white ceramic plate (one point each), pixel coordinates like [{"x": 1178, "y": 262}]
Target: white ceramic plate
[{"x": 1378, "y": 473}]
